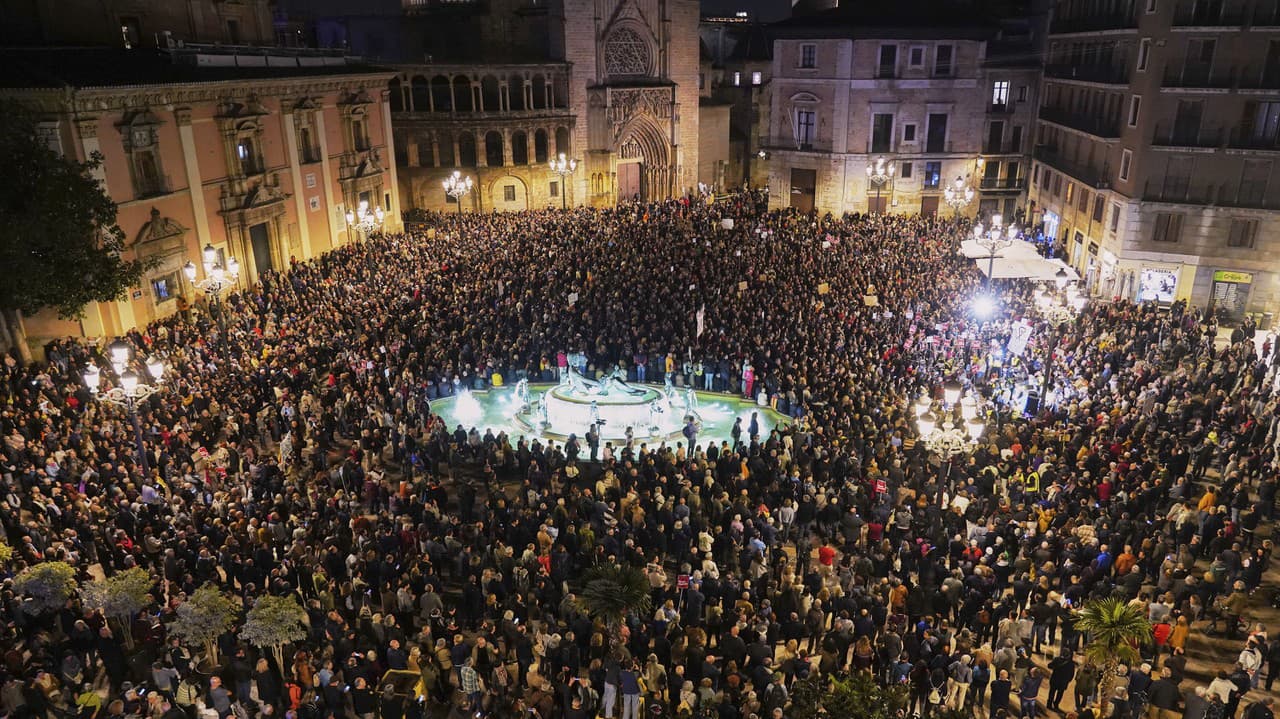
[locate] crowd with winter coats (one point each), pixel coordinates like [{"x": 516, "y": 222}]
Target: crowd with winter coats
[{"x": 293, "y": 451}]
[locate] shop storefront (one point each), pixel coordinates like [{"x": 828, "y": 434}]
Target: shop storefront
[
  {"x": 1157, "y": 284},
  {"x": 1230, "y": 295}
]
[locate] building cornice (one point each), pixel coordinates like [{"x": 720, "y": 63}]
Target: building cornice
[{"x": 119, "y": 97}]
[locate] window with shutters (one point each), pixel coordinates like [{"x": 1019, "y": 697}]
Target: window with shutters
[
  {"x": 1168, "y": 227},
  {"x": 1242, "y": 233}
]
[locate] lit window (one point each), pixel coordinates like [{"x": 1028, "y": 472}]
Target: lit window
[
  {"x": 756, "y": 78},
  {"x": 1000, "y": 92},
  {"x": 737, "y": 79}
]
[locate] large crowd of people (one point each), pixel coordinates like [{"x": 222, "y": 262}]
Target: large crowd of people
[{"x": 292, "y": 451}]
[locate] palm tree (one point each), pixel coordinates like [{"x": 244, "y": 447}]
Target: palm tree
[
  {"x": 609, "y": 592},
  {"x": 1116, "y": 630}
]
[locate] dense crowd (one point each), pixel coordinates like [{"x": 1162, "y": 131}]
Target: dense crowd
[{"x": 297, "y": 454}]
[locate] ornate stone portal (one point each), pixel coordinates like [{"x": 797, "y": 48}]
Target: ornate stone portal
[{"x": 645, "y": 59}]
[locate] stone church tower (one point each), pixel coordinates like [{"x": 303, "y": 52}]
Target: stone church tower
[{"x": 634, "y": 87}]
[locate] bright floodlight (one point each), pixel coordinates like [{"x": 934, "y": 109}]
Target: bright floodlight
[
  {"x": 155, "y": 367},
  {"x": 120, "y": 352},
  {"x": 927, "y": 423},
  {"x": 975, "y": 427},
  {"x": 984, "y": 307},
  {"x": 951, "y": 392},
  {"x": 92, "y": 378},
  {"x": 924, "y": 404}
]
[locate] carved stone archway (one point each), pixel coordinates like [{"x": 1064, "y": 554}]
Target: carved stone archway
[{"x": 641, "y": 141}]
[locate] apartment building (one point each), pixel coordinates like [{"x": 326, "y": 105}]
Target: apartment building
[
  {"x": 1157, "y": 149},
  {"x": 909, "y": 91}
]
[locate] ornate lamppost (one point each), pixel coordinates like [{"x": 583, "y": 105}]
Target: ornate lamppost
[
  {"x": 130, "y": 391},
  {"x": 364, "y": 220},
  {"x": 952, "y": 430},
  {"x": 564, "y": 168},
  {"x": 457, "y": 187},
  {"x": 879, "y": 172},
  {"x": 957, "y": 195},
  {"x": 217, "y": 279},
  {"x": 994, "y": 240}
]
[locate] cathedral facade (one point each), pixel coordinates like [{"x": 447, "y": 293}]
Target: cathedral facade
[{"x": 634, "y": 90}]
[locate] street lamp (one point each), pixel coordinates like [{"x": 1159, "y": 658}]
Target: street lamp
[
  {"x": 217, "y": 279},
  {"x": 564, "y": 168},
  {"x": 958, "y": 195},
  {"x": 364, "y": 220},
  {"x": 131, "y": 390},
  {"x": 457, "y": 187},
  {"x": 954, "y": 429},
  {"x": 994, "y": 240},
  {"x": 879, "y": 172}
]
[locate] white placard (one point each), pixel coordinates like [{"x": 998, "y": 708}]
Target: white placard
[{"x": 1019, "y": 334}]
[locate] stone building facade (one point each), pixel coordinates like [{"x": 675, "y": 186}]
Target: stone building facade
[
  {"x": 1158, "y": 150},
  {"x": 501, "y": 122},
  {"x": 850, "y": 91},
  {"x": 634, "y": 90},
  {"x": 261, "y": 162}
]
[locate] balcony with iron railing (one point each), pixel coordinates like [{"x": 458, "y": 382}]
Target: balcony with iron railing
[
  {"x": 1257, "y": 141},
  {"x": 1268, "y": 78},
  {"x": 1001, "y": 108},
  {"x": 1170, "y": 135},
  {"x": 1181, "y": 190},
  {"x": 1007, "y": 147},
  {"x": 789, "y": 142},
  {"x": 1093, "y": 23},
  {"x": 1100, "y": 127},
  {"x": 1107, "y": 74},
  {"x": 1087, "y": 173},
  {"x": 1199, "y": 77},
  {"x": 155, "y": 186},
  {"x": 1204, "y": 14},
  {"x": 1265, "y": 15},
  {"x": 994, "y": 184}
]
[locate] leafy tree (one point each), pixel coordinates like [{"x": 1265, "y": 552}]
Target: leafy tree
[
  {"x": 120, "y": 597},
  {"x": 1116, "y": 630},
  {"x": 47, "y": 586},
  {"x": 857, "y": 696},
  {"x": 60, "y": 246},
  {"x": 609, "y": 592},
  {"x": 274, "y": 622},
  {"x": 206, "y": 615}
]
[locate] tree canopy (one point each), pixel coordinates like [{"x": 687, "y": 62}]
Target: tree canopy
[{"x": 61, "y": 246}]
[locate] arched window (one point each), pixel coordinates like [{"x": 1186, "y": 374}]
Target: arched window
[
  {"x": 445, "y": 144},
  {"x": 247, "y": 155},
  {"x": 420, "y": 88},
  {"x": 540, "y": 146},
  {"x": 493, "y": 149},
  {"x": 519, "y": 148},
  {"x": 397, "y": 96},
  {"x": 562, "y": 141},
  {"x": 515, "y": 92},
  {"x": 462, "y": 94},
  {"x": 539, "y": 93},
  {"x": 490, "y": 94},
  {"x": 466, "y": 150},
  {"x": 439, "y": 94}
]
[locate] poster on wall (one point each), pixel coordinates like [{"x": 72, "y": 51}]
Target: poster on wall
[
  {"x": 1157, "y": 285},
  {"x": 1230, "y": 295}
]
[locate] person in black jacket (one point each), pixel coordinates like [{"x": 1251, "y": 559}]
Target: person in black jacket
[{"x": 1062, "y": 669}]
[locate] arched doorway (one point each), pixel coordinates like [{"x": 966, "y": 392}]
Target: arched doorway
[{"x": 643, "y": 159}]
